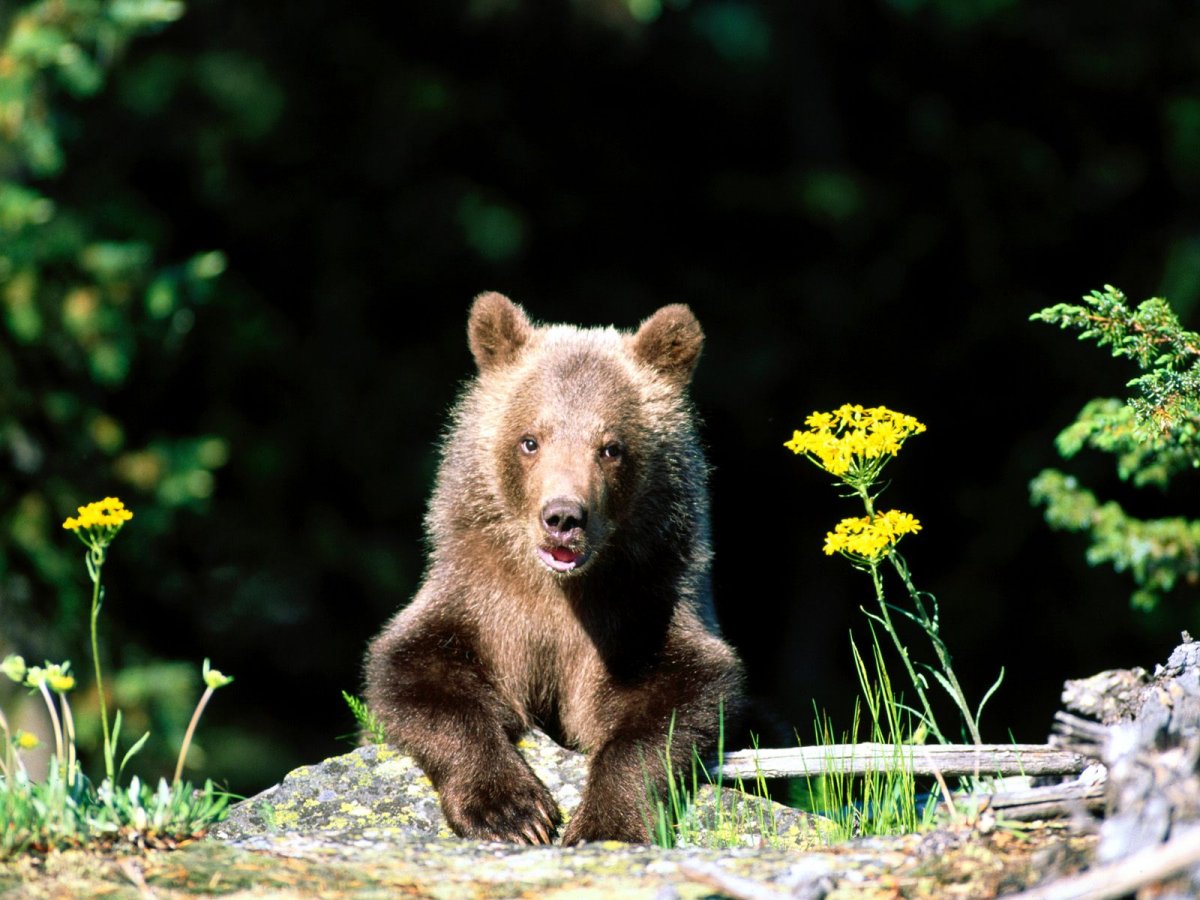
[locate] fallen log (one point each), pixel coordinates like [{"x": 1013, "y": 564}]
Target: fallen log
[
  {"x": 1144, "y": 867},
  {"x": 1151, "y": 747},
  {"x": 924, "y": 759}
]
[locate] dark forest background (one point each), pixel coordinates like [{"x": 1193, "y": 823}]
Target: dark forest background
[{"x": 862, "y": 202}]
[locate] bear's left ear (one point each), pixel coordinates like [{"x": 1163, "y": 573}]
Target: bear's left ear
[
  {"x": 670, "y": 341},
  {"x": 497, "y": 329}
]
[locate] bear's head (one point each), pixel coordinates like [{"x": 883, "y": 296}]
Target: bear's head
[{"x": 586, "y": 429}]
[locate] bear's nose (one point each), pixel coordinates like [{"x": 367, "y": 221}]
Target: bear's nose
[{"x": 563, "y": 518}]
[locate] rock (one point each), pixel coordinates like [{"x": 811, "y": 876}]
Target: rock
[
  {"x": 376, "y": 790},
  {"x": 377, "y": 787}
]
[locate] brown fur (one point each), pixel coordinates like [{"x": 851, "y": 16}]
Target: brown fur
[{"x": 573, "y": 450}]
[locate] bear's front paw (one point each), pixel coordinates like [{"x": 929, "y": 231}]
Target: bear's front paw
[
  {"x": 514, "y": 807},
  {"x": 591, "y": 823}
]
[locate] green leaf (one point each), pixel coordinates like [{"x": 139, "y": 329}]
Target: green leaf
[
  {"x": 988, "y": 695},
  {"x": 131, "y": 752}
]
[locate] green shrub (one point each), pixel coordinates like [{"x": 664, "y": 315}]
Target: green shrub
[{"x": 1154, "y": 435}]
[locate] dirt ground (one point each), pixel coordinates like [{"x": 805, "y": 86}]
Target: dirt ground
[{"x": 946, "y": 863}]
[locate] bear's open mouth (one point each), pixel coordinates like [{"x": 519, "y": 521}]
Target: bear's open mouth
[{"x": 560, "y": 559}]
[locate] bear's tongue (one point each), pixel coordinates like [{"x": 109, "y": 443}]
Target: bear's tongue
[{"x": 560, "y": 559}]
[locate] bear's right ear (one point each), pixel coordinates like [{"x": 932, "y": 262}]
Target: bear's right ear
[{"x": 497, "y": 329}]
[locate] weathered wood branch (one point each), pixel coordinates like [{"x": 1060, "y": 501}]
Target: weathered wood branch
[
  {"x": 1152, "y": 751},
  {"x": 949, "y": 760},
  {"x": 1046, "y": 802},
  {"x": 1150, "y": 744},
  {"x": 1123, "y": 877}
]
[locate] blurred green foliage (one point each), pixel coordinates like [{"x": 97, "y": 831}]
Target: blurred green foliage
[
  {"x": 1155, "y": 435},
  {"x": 86, "y": 302}
]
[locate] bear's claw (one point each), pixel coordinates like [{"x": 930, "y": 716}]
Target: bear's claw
[{"x": 523, "y": 813}]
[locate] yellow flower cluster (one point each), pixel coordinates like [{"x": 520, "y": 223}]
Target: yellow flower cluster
[
  {"x": 107, "y": 513},
  {"x": 55, "y": 675},
  {"x": 870, "y": 537},
  {"x": 851, "y": 435}
]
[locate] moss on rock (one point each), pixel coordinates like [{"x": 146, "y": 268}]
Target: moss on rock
[{"x": 375, "y": 790}]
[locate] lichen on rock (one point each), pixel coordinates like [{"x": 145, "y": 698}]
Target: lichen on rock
[
  {"x": 375, "y": 787},
  {"x": 375, "y": 792}
]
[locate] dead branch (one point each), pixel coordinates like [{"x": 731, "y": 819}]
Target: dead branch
[
  {"x": 948, "y": 759},
  {"x": 1153, "y": 864},
  {"x": 1046, "y": 802}
]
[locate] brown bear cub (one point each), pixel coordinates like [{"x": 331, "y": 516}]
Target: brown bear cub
[{"x": 567, "y": 584}]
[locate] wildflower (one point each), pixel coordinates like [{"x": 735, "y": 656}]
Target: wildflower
[
  {"x": 59, "y": 679},
  {"x": 819, "y": 421},
  {"x": 107, "y": 513},
  {"x": 214, "y": 678},
  {"x": 870, "y": 537},
  {"x": 96, "y": 526},
  {"x": 14, "y": 667},
  {"x": 26, "y": 741},
  {"x": 853, "y": 442},
  {"x": 54, "y": 675},
  {"x": 98, "y": 523}
]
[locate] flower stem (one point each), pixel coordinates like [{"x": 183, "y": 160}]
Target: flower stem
[
  {"x": 69, "y": 733},
  {"x": 191, "y": 729},
  {"x": 95, "y": 561},
  {"x": 6, "y": 764},
  {"x": 930, "y": 627},
  {"x": 886, "y": 617},
  {"x": 57, "y": 726}
]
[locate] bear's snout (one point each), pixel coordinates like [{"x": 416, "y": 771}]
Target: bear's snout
[
  {"x": 564, "y": 519},
  {"x": 567, "y": 546}
]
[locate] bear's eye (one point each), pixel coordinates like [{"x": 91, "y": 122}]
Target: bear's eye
[
  {"x": 528, "y": 446},
  {"x": 612, "y": 451}
]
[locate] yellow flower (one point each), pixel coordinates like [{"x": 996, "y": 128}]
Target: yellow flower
[
  {"x": 853, "y": 439},
  {"x": 56, "y": 676},
  {"x": 107, "y": 513},
  {"x": 870, "y": 537},
  {"x": 96, "y": 526},
  {"x": 850, "y": 414},
  {"x": 60, "y": 682},
  {"x": 26, "y": 741}
]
